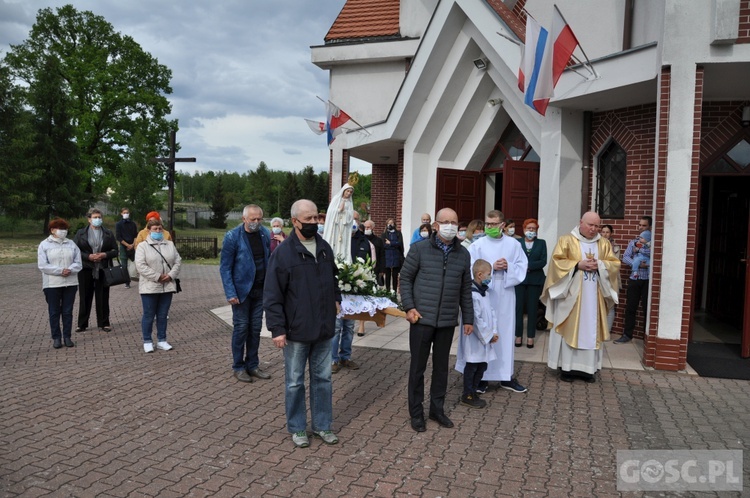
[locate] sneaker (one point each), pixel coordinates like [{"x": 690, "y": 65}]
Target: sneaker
[
  {"x": 622, "y": 340},
  {"x": 349, "y": 364},
  {"x": 163, "y": 345},
  {"x": 328, "y": 437},
  {"x": 473, "y": 401},
  {"x": 127, "y": 286},
  {"x": 242, "y": 376},
  {"x": 300, "y": 439},
  {"x": 148, "y": 347},
  {"x": 335, "y": 367},
  {"x": 513, "y": 385},
  {"x": 482, "y": 388}
]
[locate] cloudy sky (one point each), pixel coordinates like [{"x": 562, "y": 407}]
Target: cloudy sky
[{"x": 241, "y": 72}]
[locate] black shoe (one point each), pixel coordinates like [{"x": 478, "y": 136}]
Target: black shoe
[
  {"x": 623, "y": 340},
  {"x": 566, "y": 377},
  {"x": 80, "y": 329},
  {"x": 588, "y": 378},
  {"x": 68, "y": 343},
  {"x": 56, "y": 343},
  {"x": 473, "y": 401},
  {"x": 259, "y": 373},
  {"x": 417, "y": 423},
  {"x": 442, "y": 420}
]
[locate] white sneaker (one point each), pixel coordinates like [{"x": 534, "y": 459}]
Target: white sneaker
[
  {"x": 163, "y": 345},
  {"x": 148, "y": 347}
]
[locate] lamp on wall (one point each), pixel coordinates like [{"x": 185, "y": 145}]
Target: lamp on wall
[
  {"x": 494, "y": 102},
  {"x": 481, "y": 63},
  {"x": 746, "y": 116}
]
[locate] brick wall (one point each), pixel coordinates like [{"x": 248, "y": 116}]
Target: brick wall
[
  {"x": 744, "y": 30},
  {"x": 386, "y": 194},
  {"x": 344, "y": 173},
  {"x": 634, "y": 129}
]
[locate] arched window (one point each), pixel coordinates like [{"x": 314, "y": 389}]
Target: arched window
[{"x": 610, "y": 188}]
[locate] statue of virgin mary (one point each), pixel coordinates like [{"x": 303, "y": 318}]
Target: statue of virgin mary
[{"x": 339, "y": 222}]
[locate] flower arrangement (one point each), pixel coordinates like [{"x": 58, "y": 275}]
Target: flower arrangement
[{"x": 358, "y": 278}]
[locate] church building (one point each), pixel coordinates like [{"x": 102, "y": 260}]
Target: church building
[{"x": 656, "y": 123}]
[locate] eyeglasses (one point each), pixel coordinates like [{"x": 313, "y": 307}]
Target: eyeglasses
[
  {"x": 492, "y": 224},
  {"x": 157, "y": 229},
  {"x": 452, "y": 223}
]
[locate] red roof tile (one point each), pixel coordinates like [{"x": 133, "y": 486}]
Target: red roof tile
[{"x": 365, "y": 19}]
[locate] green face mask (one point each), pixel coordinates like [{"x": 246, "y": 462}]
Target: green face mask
[{"x": 493, "y": 232}]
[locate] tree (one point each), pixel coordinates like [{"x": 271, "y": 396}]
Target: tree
[
  {"x": 218, "y": 206},
  {"x": 53, "y": 155},
  {"x": 289, "y": 195},
  {"x": 307, "y": 183},
  {"x": 139, "y": 180},
  {"x": 115, "y": 88},
  {"x": 259, "y": 188},
  {"x": 321, "y": 198}
]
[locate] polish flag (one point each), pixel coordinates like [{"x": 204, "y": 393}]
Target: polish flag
[
  {"x": 336, "y": 118},
  {"x": 564, "y": 42}
]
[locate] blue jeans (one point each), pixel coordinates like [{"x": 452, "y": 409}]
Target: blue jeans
[
  {"x": 342, "y": 339},
  {"x": 60, "y": 302},
  {"x": 247, "y": 318},
  {"x": 296, "y": 357},
  {"x": 155, "y": 305}
]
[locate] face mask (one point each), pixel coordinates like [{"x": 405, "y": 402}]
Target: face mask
[
  {"x": 253, "y": 226},
  {"x": 493, "y": 232},
  {"x": 391, "y": 227},
  {"x": 462, "y": 234},
  {"x": 276, "y": 230},
  {"x": 157, "y": 235},
  {"x": 97, "y": 222},
  {"x": 61, "y": 234},
  {"x": 448, "y": 231},
  {"x": 125, "y": 216},
  {"x": 321, "y": 228},
  {"x": 511, "y": 231},
  {"x": 354, "y": 226},
  {"x": 486, "y": 282},
  {"x": 478, "y": 235},
  {"x": 530, "y": 235},
  {"x": 424, "y": 235},
  {"x": 308, "y": 230},
  {"x": 368, "y": 231}
]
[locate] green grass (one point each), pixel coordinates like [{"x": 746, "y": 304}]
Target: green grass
[{"x": 19, "y": 239}]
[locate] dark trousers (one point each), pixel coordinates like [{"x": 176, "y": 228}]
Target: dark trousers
[
  {"x": 391, "y": 275},
  {"x": 90, "y": 289},
  {"x": 60, "y": 302},
  {"x": 422, "y": 338},
  {"x": 637, "y": 293},
  {"x": 473, "y": 373},
  {"x": 527, "y": 296}
]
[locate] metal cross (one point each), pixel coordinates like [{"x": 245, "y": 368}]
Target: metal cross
[{"x": 169, "y": 161}]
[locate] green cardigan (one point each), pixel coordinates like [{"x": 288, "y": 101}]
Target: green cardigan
[{"x": 537, "y": 260}]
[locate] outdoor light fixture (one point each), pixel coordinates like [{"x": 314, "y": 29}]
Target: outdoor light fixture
[
  {"x": 481, "y": 63},
  {"x": 494, "y": 102},
  {"x": 746, "y": 116}
]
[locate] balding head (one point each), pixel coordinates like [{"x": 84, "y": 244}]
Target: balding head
[{"x": 589, "y": 225}]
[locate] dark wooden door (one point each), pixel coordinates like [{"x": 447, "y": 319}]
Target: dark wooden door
[
  {"x": 726, "y": 298},
  {"x": 746, "y": 319},
  {"x": 520, "y": 190},
  {"x": 462, "y": 191}
]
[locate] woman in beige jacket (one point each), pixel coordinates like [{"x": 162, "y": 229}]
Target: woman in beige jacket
[{"x": 158, "y": 264}]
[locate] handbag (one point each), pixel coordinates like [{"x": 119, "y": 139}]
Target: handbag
[
  {"x": 176, "y": 280},
  {"x": 115, "y": 275}
]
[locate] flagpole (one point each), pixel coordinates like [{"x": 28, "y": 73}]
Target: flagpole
[
  {"x": 579, "y": 44},
  {"x": 351, "y": 118},
  {"x": 509, "y": 39}
]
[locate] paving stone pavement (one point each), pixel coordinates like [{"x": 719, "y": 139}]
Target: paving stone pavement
[{"x": 105, "y": 419}]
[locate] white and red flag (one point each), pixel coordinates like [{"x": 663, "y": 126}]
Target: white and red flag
[
  {"x": 336, "y": 118},
  {"x": 318, "y": 127}
]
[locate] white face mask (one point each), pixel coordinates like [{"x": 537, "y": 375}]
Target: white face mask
[
  {"x": 511, "y": 231},
  {"x": 368, "y": 231},
  {"x": 276, "y": 230},
  {"x": 448, "y": 231},
  {"x": 61, "y": 234},
  {"x": 125, "y": 216},
  {"x": 530, "y": 235},
  {"x": 354, "y": 225},
  {"x": 424, "y": 235}
]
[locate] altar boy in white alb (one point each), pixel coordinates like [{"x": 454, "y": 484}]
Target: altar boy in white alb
[{"x": 509, "y": 265}]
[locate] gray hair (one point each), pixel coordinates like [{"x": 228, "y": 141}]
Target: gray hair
[
  {"x": 249, "y": 207},
  {"x": 294, "y": 211},
  {"x": 274, "y": 220}
]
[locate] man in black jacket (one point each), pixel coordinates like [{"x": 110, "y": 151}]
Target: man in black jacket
[
  {"x": 125, "y": 232},
  {"x": 435, "y": 282},
  {"x": 301, "y": 299}
]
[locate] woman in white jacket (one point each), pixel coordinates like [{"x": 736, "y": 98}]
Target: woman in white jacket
[
  {"x": 59, "y": 260},
  {"x": 158, "y": 264}
]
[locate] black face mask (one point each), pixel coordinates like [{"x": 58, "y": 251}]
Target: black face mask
[
  {"x": 308, "y": 230},
  {"x": 391, "y": 227}
]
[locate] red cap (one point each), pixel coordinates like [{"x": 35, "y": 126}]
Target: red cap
[{"x": 153, "y": 214}]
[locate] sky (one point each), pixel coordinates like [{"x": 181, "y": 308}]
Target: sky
[{"x": 242, "y": 79}]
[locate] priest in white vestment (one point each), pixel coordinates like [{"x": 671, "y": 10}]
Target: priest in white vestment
[
  {"x": 580, "y": 290},
  {"x": 509, "y": 265}
]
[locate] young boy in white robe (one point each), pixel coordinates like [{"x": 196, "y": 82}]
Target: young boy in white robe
[{"x": 475, "y": 348}]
